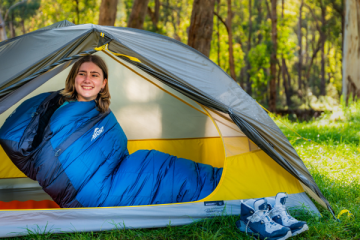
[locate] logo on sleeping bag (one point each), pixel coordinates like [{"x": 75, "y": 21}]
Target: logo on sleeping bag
[{"x": 97, "y": 132}]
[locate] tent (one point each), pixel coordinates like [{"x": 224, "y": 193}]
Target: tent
[{"x": 166, "y": 96}]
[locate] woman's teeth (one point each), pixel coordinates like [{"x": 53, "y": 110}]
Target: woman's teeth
[{"x": 87, "y": 88}]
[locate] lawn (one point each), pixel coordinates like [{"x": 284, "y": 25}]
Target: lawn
[{"x": 331, "y": 158}]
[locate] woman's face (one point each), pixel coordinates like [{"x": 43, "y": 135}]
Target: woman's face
[{"x": 89, "y": 81}]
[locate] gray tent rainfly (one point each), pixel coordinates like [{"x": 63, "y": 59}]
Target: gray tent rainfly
[{"x": 29, "y": 61}]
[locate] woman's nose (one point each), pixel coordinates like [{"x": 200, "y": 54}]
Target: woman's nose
[{"x": 87, "y": 78}]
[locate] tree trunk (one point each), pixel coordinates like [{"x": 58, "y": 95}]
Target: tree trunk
[
  {"x": 286, "y": 83},
  {"x": 300, "y": 50},
  {"x": 248, "y": 66},
  {"x": 201, "y": 25},
  {"x": 340, "y": 9},
  {"x": 23, "y": 27},
  {"x": 259, "y": 20},
  {"x": 315, "y": 51},
  {"x": 175, "y": 25},
  {"x": 77, "y": 11},
  {"x": 289, "y": 80},
  {"x": 138, "y": 12},
  {"x": 3, "y": 36},
  {"x": 108, "y": 10},
  {"x": 11, "y": 27},
  {"x": 278, "y": 81},
  {"x": 307, "y": 45},
  {"x": 323, "y": 37},
  {"x": 154, "y": 15},
  {"x": 230, "y": 40},
  {"x": 242, "y": 77},
  {"x": 167, "y": 11},
  {"x": 283, "y": 68},
  {"x": 273, "y": 60}
]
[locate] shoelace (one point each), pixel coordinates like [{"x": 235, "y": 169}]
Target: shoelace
[
  {"x": 256, "y": 213},
  {"x": 281, "y": 209}
]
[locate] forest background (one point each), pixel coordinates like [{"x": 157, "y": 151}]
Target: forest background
[{"x": 285, "y": 54}]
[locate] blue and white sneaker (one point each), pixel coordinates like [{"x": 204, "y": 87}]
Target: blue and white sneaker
[
  {"x": 280, "y": 215},
  {"x": 255, "y": 221}
]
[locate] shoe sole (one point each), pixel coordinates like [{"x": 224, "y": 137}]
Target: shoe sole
[
  {"x": 242, "y": 227},
  {"x": 303, "y": 229}
]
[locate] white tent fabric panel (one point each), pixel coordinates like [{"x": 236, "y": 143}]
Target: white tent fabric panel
[
  {"x": 228, "y": 130},
  {"x": 145, "y": 111},
  {"x": 235, "y": 142},
  {"x": 226, "y": 126}
]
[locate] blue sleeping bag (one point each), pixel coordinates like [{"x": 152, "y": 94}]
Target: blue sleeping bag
[{"x": 80, "y": 158}]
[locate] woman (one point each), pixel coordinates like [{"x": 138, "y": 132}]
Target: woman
[
  {"x": 87, "y": 81},
  {"x": 72, "y": 144}
]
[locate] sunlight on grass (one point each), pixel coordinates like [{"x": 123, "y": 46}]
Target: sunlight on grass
[{"x": 332, "y": 158}]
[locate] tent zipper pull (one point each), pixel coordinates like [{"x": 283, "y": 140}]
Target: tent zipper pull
[{"x": 34, "y": 114}]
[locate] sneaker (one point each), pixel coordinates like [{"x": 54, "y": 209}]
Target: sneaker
[
  {"x": 280, "y": 215},
  {"x": 255, "y": 221}
]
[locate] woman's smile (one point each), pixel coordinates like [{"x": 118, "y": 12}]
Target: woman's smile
[{"x": 87, "y": 88}]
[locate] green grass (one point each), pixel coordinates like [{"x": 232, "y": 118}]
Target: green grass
[{"x": 332, "y": 158}]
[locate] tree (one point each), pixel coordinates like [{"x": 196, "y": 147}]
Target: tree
[
  {"x": 228, "y": 25},
  {"x": 273, "y": 59},
  {"x": 340, "y": 9},
  {"x": 286, "y": 83},
  {"x": 323, "y": 37},
  {"x": 108, "y": 10},
  {"x": 138, "y": 12},
  {"x": 201, "y": 26},
  {"x": 3, "y": 36},
  {"x": 300, "y": 50},
  {"x": 218, "y": 32},
  {"x": 16, "y": 12},
  {"x": 248, "y": 66},
  {"x": 154, "y": 15},
  {"x": 319, "y": 45},
  {"x": 230, "y": 42}
]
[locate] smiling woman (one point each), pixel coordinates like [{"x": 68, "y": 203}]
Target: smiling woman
[{"x": 87, "y": 81}]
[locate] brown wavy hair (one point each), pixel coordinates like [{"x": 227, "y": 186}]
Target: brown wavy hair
[{"x": 70, "y": 94}]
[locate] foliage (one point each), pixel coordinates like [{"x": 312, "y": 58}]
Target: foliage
[
  {"x": 78, "y": 12},
  {"x": 18, "y": 14},
  {"x": 259, "y": 61},
  {"x": 252, "y": 45}
]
